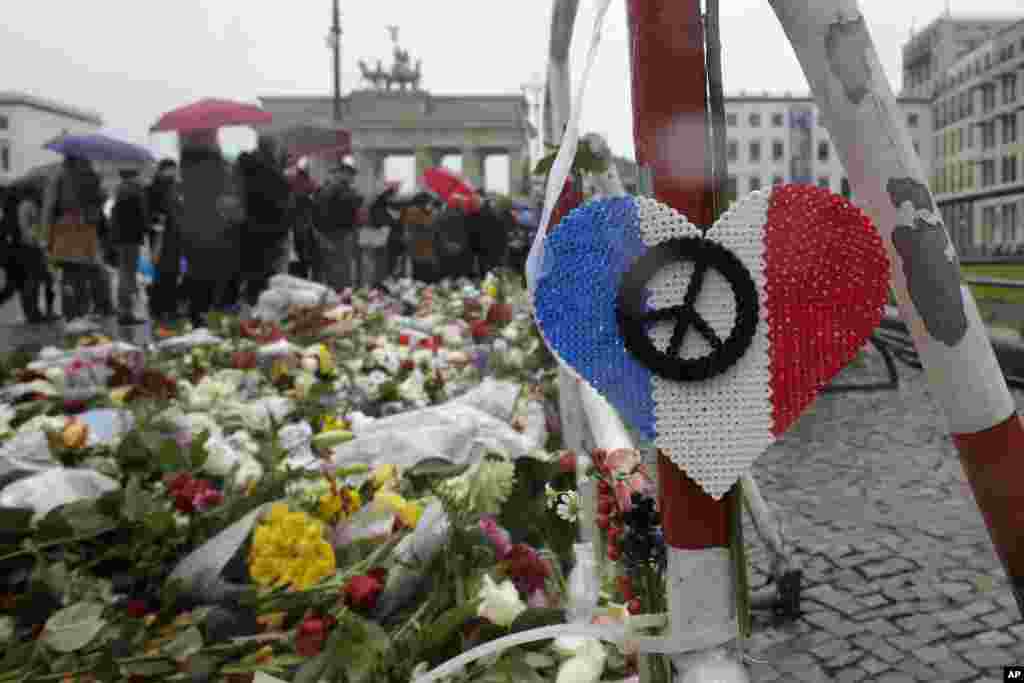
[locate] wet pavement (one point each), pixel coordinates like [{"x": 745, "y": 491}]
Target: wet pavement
[{"x": 901, "y": 580}]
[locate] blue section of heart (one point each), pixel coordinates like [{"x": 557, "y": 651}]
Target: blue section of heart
[{"x": 585, "y": 259}]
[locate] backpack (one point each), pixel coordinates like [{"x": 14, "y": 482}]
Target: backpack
[
  {"x": 455, "y": 237},
  {"x": 423, "y": 244}
]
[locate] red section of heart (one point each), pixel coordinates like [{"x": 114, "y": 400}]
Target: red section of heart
[{"x": 826, "y": 282}]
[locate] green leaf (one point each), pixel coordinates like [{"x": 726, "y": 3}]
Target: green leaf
[
  {"x": 313, "y": 670},
  {"x": 86, "y": 520},
  {"x": 447, "y": 626},
  {"x": 543, "y": 166},
  {"x": 197, "y": 450},
  {"x": 74, "y": 627},
  {"x": 537, "y": 660},
  {"x": 185, "y": 644},
  {"x": 436, "y": 467},
  {"x": 136, "y": 501},
  {"x": 169, "y": 457},
  {"x": 537, "y": 617},
  {"x": 516, "y": 670},
  {"x": 15, "y": 520},
  {"x": 151, "y": 668},
  {"x": 54, "y": 576}
]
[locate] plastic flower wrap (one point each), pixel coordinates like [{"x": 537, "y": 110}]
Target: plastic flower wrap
[{"x": 288, "y": 549}]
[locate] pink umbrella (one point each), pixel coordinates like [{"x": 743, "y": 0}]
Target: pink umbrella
[
  {"x": 210, "y": 114},
  {"x": 451, "y": 187}
]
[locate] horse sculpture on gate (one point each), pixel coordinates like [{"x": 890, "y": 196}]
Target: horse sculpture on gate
[{"x": 402, "y": 73}]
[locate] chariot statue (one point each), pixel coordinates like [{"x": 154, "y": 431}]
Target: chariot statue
[{"x": 402, "y": 74}]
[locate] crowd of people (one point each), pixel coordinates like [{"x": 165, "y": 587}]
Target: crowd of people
[{"x": 215, "y": 232}]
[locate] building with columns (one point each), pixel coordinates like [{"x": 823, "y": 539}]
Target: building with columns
[{"x": 416, "y": 123}]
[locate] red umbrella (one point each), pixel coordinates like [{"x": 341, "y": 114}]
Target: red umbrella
[
  {"x": 210, "y": 114},
  {"x": 451, "y": 187}
]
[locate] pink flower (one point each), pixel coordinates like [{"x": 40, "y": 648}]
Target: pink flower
[
  {"x": 622, "y": 461},
  {"x": 495, "y": 534},
  {"x": 538, "y": 600},
  {"x": 625, "y": 487}
]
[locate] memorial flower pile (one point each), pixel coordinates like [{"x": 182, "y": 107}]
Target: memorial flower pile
[{"x": 350, "y": 488}]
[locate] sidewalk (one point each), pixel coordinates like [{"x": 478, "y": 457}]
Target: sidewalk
[{"x": 901, "y": 581}]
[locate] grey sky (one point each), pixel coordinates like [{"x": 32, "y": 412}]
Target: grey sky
[{"x": 149, "y": 56}]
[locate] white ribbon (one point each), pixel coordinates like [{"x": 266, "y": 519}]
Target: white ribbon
[{"x": 566, "y": 154}]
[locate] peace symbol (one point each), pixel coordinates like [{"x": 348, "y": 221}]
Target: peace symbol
[{"x": 635, "y": 323}]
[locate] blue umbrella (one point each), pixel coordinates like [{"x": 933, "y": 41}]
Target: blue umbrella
[{"x": 95, "y": 147}]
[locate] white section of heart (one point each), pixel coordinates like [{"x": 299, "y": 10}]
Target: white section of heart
[{"x": 715, "y": 429}]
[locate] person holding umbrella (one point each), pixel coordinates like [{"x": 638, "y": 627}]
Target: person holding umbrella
[
  {"x": 128, "y": 226},
  {"x": 267, "y": 196},
  {"x": 165, "y": 206}
]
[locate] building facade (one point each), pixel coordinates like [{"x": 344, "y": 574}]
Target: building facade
[
  {"x": 27, "y": 123},
  {"x": 775, "y": 139},
  {"x": 929, "y": 54},
  {"x": 978, "y": 145}
]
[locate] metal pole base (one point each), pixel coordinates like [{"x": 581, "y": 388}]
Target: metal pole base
[{"x": 784, "y": 600}]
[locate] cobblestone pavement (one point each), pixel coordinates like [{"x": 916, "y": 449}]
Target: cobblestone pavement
[{"x": 901, "y": 581}]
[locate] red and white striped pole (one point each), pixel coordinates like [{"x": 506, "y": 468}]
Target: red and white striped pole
[
  {"x": 834, "y": 47},
  {"x": 669, "y": 84}
]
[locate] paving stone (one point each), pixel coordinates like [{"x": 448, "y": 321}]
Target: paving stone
[
  {"x": 1000, "y": 619},
  {"x": 995, "y": 639},
  {"x": 980, "y": 607},
  {"x": 889, "y": 567},
  {"x": 896, "y": 678},
  {"x": 873, "y": 601},
  {"x": 847, "y": 659},
  {"x": 851, "y": 675},
  {"x": 984, "y": 658},
  {"x": 873, "y": 666},
  {"x": 880, "y": 627},
  {"x": 831, "y": 648},
  {"x": 955, "y": 670},
  {"x": 965, "y": 628},
  {"x": 936, "y": 653}
]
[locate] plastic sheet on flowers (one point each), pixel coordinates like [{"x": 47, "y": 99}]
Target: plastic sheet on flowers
[
  {"x": 27, "y": 451},
  {"x": 194, "y": 339},
  {"x": 412, "y": 552},
  {"x": 106, "y": 427},
  {"x": 494, "y": 397},
  {"x": 46, "y": 491},
  {"x": 286, "y": 291},
  {"x": 200, "y": 571},
  {"x": 54, "y": 358}
]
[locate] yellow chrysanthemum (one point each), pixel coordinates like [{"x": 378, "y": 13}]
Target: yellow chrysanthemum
[
  {"x": 333, "y": 423},
  {"x": 288, "y": 549}
]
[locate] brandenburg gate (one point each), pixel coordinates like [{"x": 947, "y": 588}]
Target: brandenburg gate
[{"x": 395, "y": 117}]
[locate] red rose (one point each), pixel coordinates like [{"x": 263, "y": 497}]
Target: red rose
[
  {"x": 361, "y": 592},
  {"x": 403, "y": 339},
  {"x": 480, "y": 329},
  {"x": 312, "y": 635},
  {"x": 567, "y": 462},
  {"x": 136, "y": 608},
  {"x": 527, "y": 568},
  {"x": 408, "y": 365},
  {"x": 243, "y": 360},
  {"x": 73, "y": 407}
]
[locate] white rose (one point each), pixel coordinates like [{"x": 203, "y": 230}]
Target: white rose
[
  {"x": 586, "y": 665},
  {"x": 500, "y": 603},
  {"x": 422, "y": 356},
  {"x": 220, "y": 456},
  {"x": 56, "y": 377},
  {"x": 355, "y": 365},
  {"x": 500, "y": 346},
  {"x": 511, "y": 333},
  {"x": 7, "y": 414},
  {"x": 515, "y": 358},
  {"x": 250, "y": 471},
  {"x": 310, "y": 363}
]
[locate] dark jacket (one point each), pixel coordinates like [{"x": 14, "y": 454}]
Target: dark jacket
[
  {"x": 267, "y": 194},
  {"x": 336, "y": 209},
  {"x": 130, "y": 216}
]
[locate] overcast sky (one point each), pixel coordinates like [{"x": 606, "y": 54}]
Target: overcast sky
[{"x": 149, "y": 56}]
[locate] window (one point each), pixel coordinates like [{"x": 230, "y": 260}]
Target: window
[
  {"x": 1009, "y": 222},
  {"x": 1009, "y": 88},
  {"x": 825, "y": 182},
  {"x": 776, "y": 120},
  {"x": 988, "y": 172},
  {"x": 988, "y": 223},
  {"x": 755, "y": 183},
  {"x": 755, "y": 120},
  {"x": 988, "y": 135},
  {"x": 844, "y": 187},
  {"x": 912, "y": 120},
  {"x": 4, "y": 122},
  {"x": 731, "y": 121},
  {"x": 988, "y": 97},
  {"x": 778, "y": 180},
  {"x": 5, "y": 156},
  {"x": 778, "y": 150},
  {"x": 917, "y": 148},
  {"x": 823, "y": 151},
  {"x": 755, "y": 151},
  {"x": 1010, "y": 169},
  {"x": 733, "y": 150},
  {"x": 970, "y": 135},
  {"x": 1009, "y": 128},
  {"x": 731, "y": 185}
]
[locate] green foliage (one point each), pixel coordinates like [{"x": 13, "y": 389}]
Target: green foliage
[{"x": 585, "y": 162}]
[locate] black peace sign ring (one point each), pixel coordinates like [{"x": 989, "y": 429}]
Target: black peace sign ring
[{"x": 635, "y": 322}]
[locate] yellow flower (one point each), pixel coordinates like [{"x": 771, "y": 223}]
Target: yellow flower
[
  {"x": 328, "y": 366},
  {"x": 333, "y": 423},
  {"x": 383, "y": 475},
  {"x": 288, "y": 549},
  {"x": 491, "y": 289},
  {"x": 279, "y": 370},
  {"x": 118, "y": 395},
  {"x": 330, "y": 506},
  {"x": 409, "y": 513}
]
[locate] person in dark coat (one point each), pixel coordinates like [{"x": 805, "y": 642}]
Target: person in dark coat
[
  {"x": 489, "y": 233},
  {"x": 456, "y": 253},
  {"x": 128, "y": 227},
  {"x": 15, "y": 273},
  {"x": 337, "y": 206},
  {"x": 303, "y": 191},
  {"x": 165, "y": 207},
  {"x": 267, "y": 196}
]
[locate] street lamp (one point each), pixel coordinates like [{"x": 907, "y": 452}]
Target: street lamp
[{"x": 334, "y": 43}]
